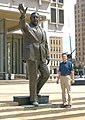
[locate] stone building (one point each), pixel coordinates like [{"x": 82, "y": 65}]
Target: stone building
[{"x": 11, "y": 38}]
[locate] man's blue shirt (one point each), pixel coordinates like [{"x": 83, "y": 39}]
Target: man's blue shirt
[{"x": 65, "y": 68}]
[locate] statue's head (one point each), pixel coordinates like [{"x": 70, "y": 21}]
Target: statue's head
[{"x": 34, "y": 18}]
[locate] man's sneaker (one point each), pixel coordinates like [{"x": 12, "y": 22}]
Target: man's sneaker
[
  {"x": 68, "y": 106},
  {"x": 63, "y": 106}
]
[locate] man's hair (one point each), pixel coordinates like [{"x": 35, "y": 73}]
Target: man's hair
[{"x": 64, "y": 53}]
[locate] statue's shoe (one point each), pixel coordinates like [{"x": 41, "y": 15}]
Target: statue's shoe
[
  {"x": 35, "y": 103},
  {"x": 39, "y": 95}
]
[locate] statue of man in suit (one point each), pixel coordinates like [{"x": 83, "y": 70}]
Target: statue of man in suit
[{"x": 35, "y": 52}]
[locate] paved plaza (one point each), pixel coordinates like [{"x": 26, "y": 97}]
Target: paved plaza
[{"x": 9, "y": 110}]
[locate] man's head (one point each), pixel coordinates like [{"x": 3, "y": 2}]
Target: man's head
[
  {"x": 34, "y": 18},
  {"x": 64, "y": 56}
]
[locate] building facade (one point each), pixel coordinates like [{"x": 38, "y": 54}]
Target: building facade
[
  {"x": 11, "y": 38},
  {"x": 80, "y": 32},
  {"x": 55, "y": 35}
]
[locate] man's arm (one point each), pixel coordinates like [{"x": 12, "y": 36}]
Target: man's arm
[
  {"x": 72, "y": 76},
  {"x": 58, "y": 77},
  {"x": 22, "y": 21},
  {"x": 72, "y": 73}
]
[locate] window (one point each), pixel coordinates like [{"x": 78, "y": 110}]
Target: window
[
  {"x": 56, "y": 42},
  {"x": 79, "y": 58},
  {"x": 83, "y": 58},
  {"x": 79, "y": 49},
  {"x": 51, "y": 49},
  {"x": 53, "y": 15},
  {"x": 79, "y": 53},
  {"x": 54, "y": 63},
  {"x": 59, "y": 56},
  {"x": 51, "y": 41},
  {"x": 75, "y": 40},
  {"x": 51, "y": 55},
  {"x": 57, "y": 15},
  {"x": 53, "y": 0},
  {"x": 61, "y": 16},
  {"x": 60, "y": 1},
  {"x": 54, "y": 77},
  {"x": 56, "y": 55},
  {"x": 55, "y": 71},
  {"x": 51, "y": 62},
  {"x": 59, "y": 42},
  {"x": 56, "y": 49},
  {"x": 57, "y": 63},
  {"x": 59, "y": 49}
]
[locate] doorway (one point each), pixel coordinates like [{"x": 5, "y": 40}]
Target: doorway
[{"x": 14, "y": 54}]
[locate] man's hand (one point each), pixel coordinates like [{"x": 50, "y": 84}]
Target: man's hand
[
  {"x": 72, "y": 81},
  {"x": 58, "y": 77},
  {"x": 57, "y": 81},
  {"x": 22, "y": 10}
]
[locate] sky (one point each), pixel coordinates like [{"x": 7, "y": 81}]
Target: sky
[{"x": 69, "y": 26}]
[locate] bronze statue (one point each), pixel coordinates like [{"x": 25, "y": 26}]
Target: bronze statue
[{"x": 35, "y": 52}]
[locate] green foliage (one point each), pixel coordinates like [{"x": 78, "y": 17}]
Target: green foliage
[{"x": 76, "y": 72}]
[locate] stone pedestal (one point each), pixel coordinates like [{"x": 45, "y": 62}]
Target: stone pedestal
[{"x": 25, "y": 100}]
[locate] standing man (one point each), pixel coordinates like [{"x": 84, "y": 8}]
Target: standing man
[
  {"x": 66, "y": 76},
  {"x": 35, "y": 52}
]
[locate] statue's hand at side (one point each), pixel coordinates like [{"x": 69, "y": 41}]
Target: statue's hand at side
[
  {"x": 22, "y": 10},
  {"x": 48, "y": 60}
]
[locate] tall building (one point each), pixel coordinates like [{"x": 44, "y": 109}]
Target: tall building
[
  {"x": 55, "y": 34},
  {"x": 11, "y": 38},
  {"x": 80, "y": 32}
]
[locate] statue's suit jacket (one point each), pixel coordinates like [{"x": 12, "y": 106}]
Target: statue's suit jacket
[{"x": 33, "y": 44}]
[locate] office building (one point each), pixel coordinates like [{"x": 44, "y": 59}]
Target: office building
[{"x": 80, "y": 32}]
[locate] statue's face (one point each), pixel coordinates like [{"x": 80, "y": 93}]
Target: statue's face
[{"x": 35, "y": 19}]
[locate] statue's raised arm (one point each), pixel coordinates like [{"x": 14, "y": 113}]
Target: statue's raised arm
[{"x": 22, "y": 9}]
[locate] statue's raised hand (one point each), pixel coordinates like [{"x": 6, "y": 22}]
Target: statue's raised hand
[{"x": 22, "y": 10}]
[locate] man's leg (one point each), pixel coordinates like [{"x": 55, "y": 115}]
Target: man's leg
[
  {"x": 44, "y": 75},
  {"x": 62, "y": 79},
  {"x": 68, "y": 87},
  {"x": 32, "y": 67}
]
